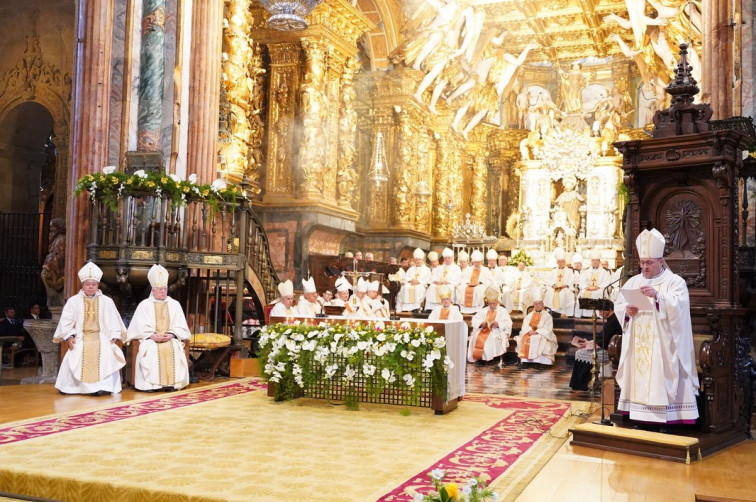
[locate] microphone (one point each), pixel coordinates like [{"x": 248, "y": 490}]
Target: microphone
[{"x": 626, "y": 275}]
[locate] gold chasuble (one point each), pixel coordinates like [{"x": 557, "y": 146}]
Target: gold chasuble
[
  {"x": 474, "y": 280},
  {"x": 444, "y": 314},
  {"x": 90, "y": 359},
  {"x": 480, "y": 341},
  {"x": 412, "y": 287},
  {"x": 166, "y": 357},
  {"x": 534, "y": 321},
  {"x": 557, "y": 289}
]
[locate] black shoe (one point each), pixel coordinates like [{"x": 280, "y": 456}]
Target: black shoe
[{"x": 101, "y": 393}]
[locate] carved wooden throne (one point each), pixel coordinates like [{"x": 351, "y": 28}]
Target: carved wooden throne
[{"x": 684, "y": 182}]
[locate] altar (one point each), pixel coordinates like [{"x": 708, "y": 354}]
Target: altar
[{"x": 455, "y": 334}]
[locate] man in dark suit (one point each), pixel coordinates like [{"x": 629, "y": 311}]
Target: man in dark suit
[{"x": 581, "y": 372}]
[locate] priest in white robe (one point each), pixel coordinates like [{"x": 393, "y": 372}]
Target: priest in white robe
[
  {"x": 416, "y": 280},
  {"x": 359, "y": 303},
  {"x": 593, "y": 280},
  {"x": 448, "y": 273},
  {"x": 537, "y": 342},
  {"x": 342, "y": 292},
  {"x": 502, "y": 279},
  {"x": 160, "y": 326},
  {"x": 472, "y": 289},
  {"x": 284, "y": 307},
  {"x": 308, "y": 305},
  {"x": 91, "y": 326},
  {"x": 657, "y": 373},
  {"x": 378, "y": 305},
  {"x": 560, "y": 295},
  {"x": 520, "y": 286},
  {"x": 492, "y": 327},
  {"x": 446, "y": 311},
  {"x": 491, "y": 260}
]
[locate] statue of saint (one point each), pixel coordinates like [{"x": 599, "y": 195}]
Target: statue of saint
[
  {"x": 52, "y": 269},
  {"x": 573, "y": 83},
  {"x": 570, "y": 200}
]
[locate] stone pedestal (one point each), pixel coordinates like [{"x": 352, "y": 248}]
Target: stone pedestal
[{"x": 41, "y": 331}]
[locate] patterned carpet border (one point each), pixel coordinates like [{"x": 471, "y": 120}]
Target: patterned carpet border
[
  {"x": 491, "y": 453},
  {"x": 79, "y": 420}
]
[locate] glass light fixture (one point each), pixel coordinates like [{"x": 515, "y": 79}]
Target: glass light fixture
[
  {"x": 288, "y": 15},
  {"x": 377, "y": 173}
]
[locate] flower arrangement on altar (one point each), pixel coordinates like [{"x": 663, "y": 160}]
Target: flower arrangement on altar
[
  {"x": 110, "y": 185},
  {"x": 379, "y": 356},
  {"x": 475, "y": 490},
  {"x": 521, "y": 256}
]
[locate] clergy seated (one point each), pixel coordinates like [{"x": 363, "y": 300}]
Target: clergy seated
[
  {"x": 284, "y": 306},
  {"x": 520, "y": 288},
  {"x": 446, "y": 311},
  {"x": 581, "y": 371},
  {"x": 472, "y": 288},
  {"x": 359, "y": 303},
  {"x": 448, "y": 273},
  {"x": 560, "y": 295},
  {"x": 160, "y": 326},
  {"x": 91, "y": 326},
  {"x": 537, "y": 342},
  {"x": 308, "y": 305},
  {"x": 414, "y": 284},
  {"x": 593, "y": 280},
  {"x": 491, "y": 329}
]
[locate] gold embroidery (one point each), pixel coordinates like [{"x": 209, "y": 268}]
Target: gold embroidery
[
  {"x": 166, "y": 358},
  {"x": 90, "y": 362}
]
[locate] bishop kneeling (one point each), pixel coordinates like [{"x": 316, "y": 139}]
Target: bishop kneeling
[
  {"x": 537, "y": 342},
  {"x": 446, "y": 311},
  {"x": 160, "y": 326},
  {"x": 491, "y": 329}
]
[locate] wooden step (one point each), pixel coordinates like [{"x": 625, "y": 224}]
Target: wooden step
[{"x": 637, "y": 442}]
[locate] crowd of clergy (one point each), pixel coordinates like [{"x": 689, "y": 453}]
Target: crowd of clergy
[{"x": 487, "y": 290}]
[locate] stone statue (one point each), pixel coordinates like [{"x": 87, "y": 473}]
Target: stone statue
[
  {"x": 570, "y": 201},
  {"x": 52, "y": 269}
]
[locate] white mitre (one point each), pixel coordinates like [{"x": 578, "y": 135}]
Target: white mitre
[
  {"x": 492, "y": 254},
  {"x": 308, "y": 286},
  {"x": 476, "y": 256},
  {"x": 447, "y": 253},
  {"x": 342, "y": 284},
  {"x": 158, "y": 276},
  {"x": 537, "y": 295},
  {"x": 577, "y": 258},
  {"x": 418, "y": 254},
  {"x": 462, "y": 256},
  {"x": 90, "y": 271},
  {"x": 559, "y": 254},
  {"x": 650, "y": 244},
  {"x": 432, "y": 256},
  {"x": 286, "y": 288},
  {"x": 362, "y": 285},
  {"x": 373, "y": 286},
  {"x": 595, "y": 254}
]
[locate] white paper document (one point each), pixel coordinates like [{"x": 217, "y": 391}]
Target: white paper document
[{"x": 635, "y": 297}]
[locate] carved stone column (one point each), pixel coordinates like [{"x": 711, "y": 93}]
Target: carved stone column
[
  {"x": 204, "y": 91},
  {"x": 91, "y": 107},
  {"x": 284, "y": 81},
  {"x": 346, "y": 177},
  {"x": 716, "y": 87},
  {"x": 151, "y": 73}
]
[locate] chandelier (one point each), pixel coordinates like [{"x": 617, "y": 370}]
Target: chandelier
[
  {"x": 288, "y": 15},
  {"x": 377, "y": 173},
  {"x": 567, "y": 152}
]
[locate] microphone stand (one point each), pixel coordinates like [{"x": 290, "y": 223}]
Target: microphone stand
[{"x": 595, "y": 370}]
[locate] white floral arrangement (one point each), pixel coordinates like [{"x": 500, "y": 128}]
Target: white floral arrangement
[{"x": 297, "y": 356}]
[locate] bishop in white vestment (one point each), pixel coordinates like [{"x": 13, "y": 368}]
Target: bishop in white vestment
[
  {"x": 416, "y": 280},
  {"x": 449, "y": 273},
  {"x": 91, "y": 325},
  {"x": 593, "y": 280},
  {"x": 472, "y": 287},
  {"x": 657, "y": 372},
  {"x": 537, "y": 342},
  {"x": 160, "y": 326},
  {"x": 284, "y": 307},
  {"x": 446, "y": 311},
  {"x": 491, "y": 329},
  {"x": 560, "y": 296},
  {"x": 308, "y": 305}
]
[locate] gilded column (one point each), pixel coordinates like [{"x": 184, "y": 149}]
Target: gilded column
[
  {"x": 441, "y": 193},
  {"x": 284, "y": 81},
  {"x": 717, "y": 58},
  {"x": 346, "y": 176},
  {"x": 479, "y": 194},
  {"x": 235, "y": 140},
  {"x": 204, "y": 88},
  {"x": 90, "y": 105},
  {"x": 151, "y": 74},
  {"x": 257, "y": 95},
  {"x": 314, "y": 115},
  {"x": 402, "y": 211},
  {"x": 423, "y": 182}
]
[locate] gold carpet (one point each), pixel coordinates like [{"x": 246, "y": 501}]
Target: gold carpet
[{"x": 245, "y": 447}]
